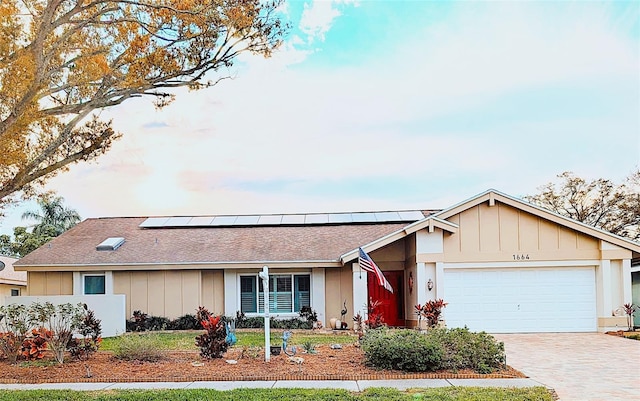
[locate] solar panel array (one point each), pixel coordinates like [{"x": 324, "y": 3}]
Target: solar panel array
[{"x": 283, "y": 219}]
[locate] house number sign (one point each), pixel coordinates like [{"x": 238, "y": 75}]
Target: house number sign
[{"x": 521, "y": 256}]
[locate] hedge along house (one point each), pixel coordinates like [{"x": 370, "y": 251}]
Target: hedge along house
[{"x": 502, "y": 265}]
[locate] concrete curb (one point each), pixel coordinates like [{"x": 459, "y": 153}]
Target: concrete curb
[{"x": 350, "y": 385}]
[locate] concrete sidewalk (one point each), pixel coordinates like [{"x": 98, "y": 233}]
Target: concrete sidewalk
[{"x": 350, "y": 385}]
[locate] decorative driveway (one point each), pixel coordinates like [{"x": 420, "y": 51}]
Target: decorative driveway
[{"x": 579, "y": 366}]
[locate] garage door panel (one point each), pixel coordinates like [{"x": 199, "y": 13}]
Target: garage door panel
[{"x": 521, "y": 299}]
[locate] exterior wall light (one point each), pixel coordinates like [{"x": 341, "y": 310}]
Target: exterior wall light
[{"x": 429, "y": 285}]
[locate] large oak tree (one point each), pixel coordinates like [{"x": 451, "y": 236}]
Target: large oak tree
[
  {"x": 63, "y": 60},
  {"x": 600, "y": 202}
]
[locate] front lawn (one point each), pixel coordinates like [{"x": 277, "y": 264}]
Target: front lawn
[
  {"x": 185, "y": 340},
  {"x": 431, "y": 394}
]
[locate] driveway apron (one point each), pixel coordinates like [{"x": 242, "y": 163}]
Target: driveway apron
[{"x": 578, "y": 366}]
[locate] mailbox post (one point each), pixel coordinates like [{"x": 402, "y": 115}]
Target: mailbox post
[{"x": 264, "y": 275}]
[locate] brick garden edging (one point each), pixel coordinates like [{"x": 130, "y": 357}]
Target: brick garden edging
[{"x": 375, "y": 376}]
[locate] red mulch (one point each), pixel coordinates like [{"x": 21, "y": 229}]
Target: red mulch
[{"x": 327, "y": 364}]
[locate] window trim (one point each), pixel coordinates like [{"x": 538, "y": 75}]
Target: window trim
[
  {"x": 78, "y": 282},
  {"x": 15, "y": 289},
  {"x": 272, "y": 313},
  {"x": 84, "y": 282}
]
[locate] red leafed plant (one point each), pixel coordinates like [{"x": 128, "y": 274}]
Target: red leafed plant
[
  {"x": 431, "y": 311},
  {"x": 35, "y": 344},
  {"x": 212, "y": 343},
  {"x": 374, "y": 317}
]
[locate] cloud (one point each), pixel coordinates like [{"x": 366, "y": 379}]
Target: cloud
[
  {"x": 427, "y": 109},
  {"x": 318, "y": 18}
]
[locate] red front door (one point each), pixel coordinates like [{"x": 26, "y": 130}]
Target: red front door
[{"x": 391, "y": 305}]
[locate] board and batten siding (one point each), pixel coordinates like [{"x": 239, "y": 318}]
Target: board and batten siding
[
  {"x": 500, "y": 232},
  {"x": 213, "y": 291},
  {"x": 338, "y": 288},
  {"x": 160, "y": 293},
  {"x": 49, "y": 283}
]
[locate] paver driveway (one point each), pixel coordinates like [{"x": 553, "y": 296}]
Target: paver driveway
[{"x": 579, "y": 366}]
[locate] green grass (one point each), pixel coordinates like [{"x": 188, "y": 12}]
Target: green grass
[
  {"x": 431, "y": 394},
  {"x": 185, "y": 340},
  {"x": 164, "y": 341}
]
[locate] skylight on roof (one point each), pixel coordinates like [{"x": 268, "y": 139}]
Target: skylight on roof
[{"x": 110, "y": 244}]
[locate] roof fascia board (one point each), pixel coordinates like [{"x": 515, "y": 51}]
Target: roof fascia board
[
  {"x": 540, "y": 212},
  {"x": 13, "y": 282},
  {"x": 431, "y": 222},
  {"x": 399, "y": 234},
  {"x": 179, "y": 266}
]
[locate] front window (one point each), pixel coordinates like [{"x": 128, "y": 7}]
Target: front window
[
  {"x": 94, "y": 284},
  {"x": 15, "y": 292},
  {"x": 288, "y": 293}
]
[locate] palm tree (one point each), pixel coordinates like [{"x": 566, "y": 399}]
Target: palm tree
[{"x": 52, "y": 215}]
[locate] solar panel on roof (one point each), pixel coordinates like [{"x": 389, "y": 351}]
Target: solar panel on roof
[
  {"x": 178, "y": 221},
  {"x": 364, "y": 217},
  {"x": 247, "y": 220},
  {"x": 340, "y": 218},
  {"x": 278, "y": 219},
  {"x": 316, "y": 219},
  {"x": 293, "y": 219},
  {"x": 270, "y": 219},
  {"x": 411, "y": 215},
  {"x": 223, "y": 221},
  {"x": 154, "y": 222},
  {"x": 200, "y": 221},
  {"x": 387, "y": 216}
]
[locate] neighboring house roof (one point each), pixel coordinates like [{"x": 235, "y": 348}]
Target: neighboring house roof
[
  {"x": 10, "y": 276},
  {"x": 317, "y": 244}
]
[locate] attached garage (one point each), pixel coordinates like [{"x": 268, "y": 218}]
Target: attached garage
[{"x": 521, "y": 300}]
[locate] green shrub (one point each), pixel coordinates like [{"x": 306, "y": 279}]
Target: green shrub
[
  {"x": 464, "y": 349},
  {"x": 256, "y": 322},
  {"x": 61, "y": 321},
  {"x": 186, "y": 322},
  {"x": 90, "y": 328},
  {"x": 288, "y": 324},
  {"x": 403, "y": 349},
  {"x": 307, "y": 313},
  {"x": 244, "y": 322},
  {"x": 156, "y": 323},
  {"x": 213, "y": 342},
  {"x": 309, "y": 347},
  {"x": 143, "y": 322},
  {"x": 138, "y": 347},
  {"x": 15, "y": 325}
]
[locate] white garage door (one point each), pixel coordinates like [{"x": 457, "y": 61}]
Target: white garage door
[{"x": 521, "y": 300}]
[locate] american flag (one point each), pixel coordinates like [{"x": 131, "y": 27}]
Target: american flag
[{"x": 367, "y": 264}]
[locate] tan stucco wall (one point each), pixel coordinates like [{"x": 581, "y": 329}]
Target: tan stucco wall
[
  {"x": 5, "y": 290},
  {"x": 338, "y": 288},
  {"x": 160, "y": 293},
  {"x": 497, "y": 233},
  {"x": 50, "y": 283},
  {"x": 213, "y": 291}
]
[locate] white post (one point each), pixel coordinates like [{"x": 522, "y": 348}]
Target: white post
[
  {"x": 360, "y": 291},
  {"x": 264, "y": 275}
]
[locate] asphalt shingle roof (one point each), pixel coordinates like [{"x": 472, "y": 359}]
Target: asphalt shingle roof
[{"x": 203, "y": 245}]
